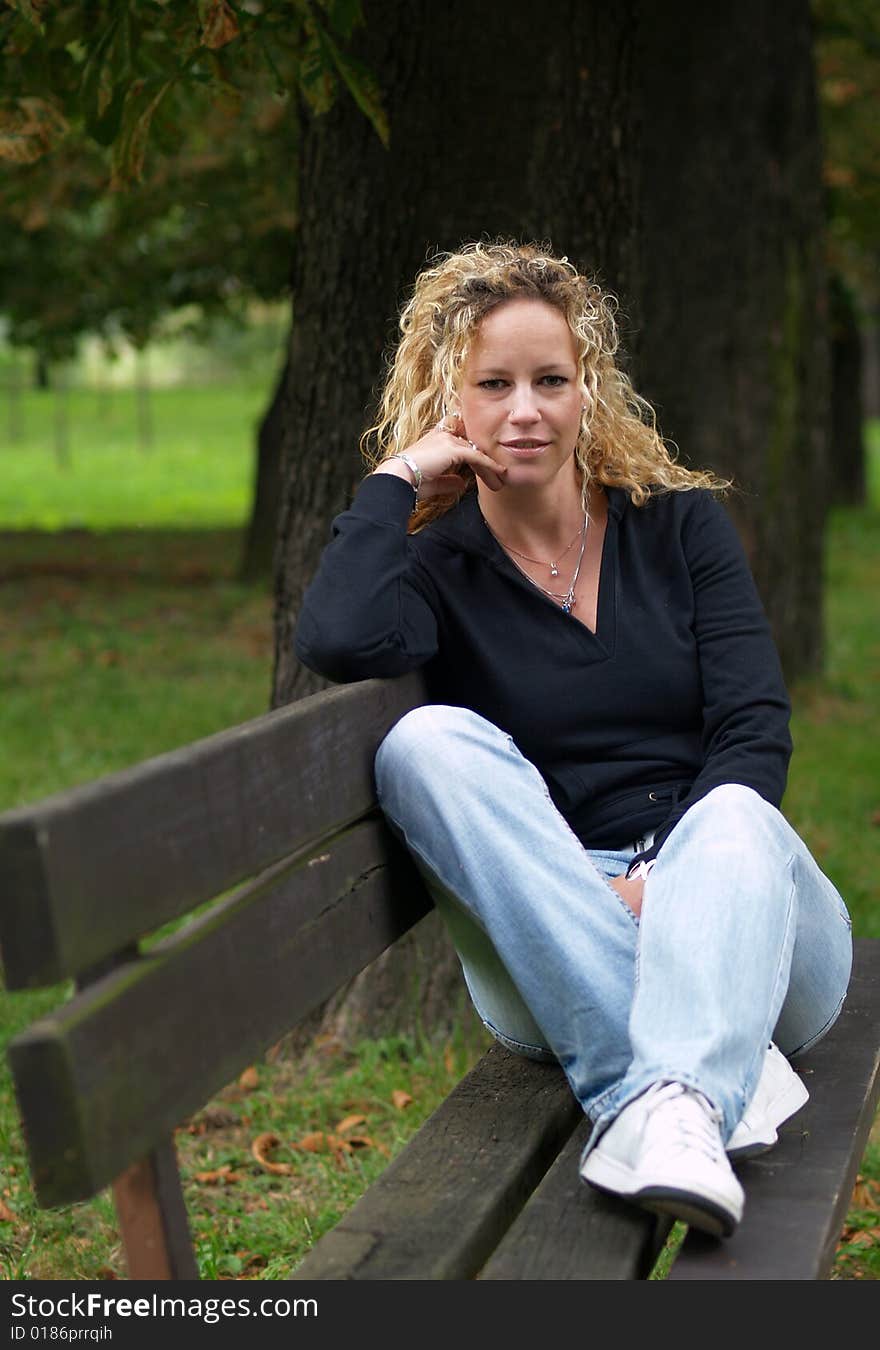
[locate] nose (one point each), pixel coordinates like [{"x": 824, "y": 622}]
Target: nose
[{"x": 523, "y": 408}]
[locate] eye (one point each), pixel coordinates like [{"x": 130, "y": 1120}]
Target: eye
[
  {"x": 554, "y": 381},
  {"x": 492, "y": 384}
]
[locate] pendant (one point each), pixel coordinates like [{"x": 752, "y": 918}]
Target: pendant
[
  {"x": 554, "y": 570},
  {"x": 566, "y": 606}
]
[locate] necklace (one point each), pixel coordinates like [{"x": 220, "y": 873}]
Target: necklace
[
  {"x": 567, "y": 599},
  {"x": 553, "y": 565}
]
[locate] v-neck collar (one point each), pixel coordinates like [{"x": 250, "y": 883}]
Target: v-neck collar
[{"x": 465, "y": 528}]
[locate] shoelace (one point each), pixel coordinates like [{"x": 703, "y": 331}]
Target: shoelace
[{"x": 695, "y": 1121}]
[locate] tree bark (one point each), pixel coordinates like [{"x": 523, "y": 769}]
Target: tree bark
[
  {"x": 261, "y": 538},
  {"x": 733, "y": 347},
  {"x": 528, "y": 136},
  {"x": 849, "y": 486}
]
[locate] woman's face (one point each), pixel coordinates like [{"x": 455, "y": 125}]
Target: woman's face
[{"x": 521, "y": 401}]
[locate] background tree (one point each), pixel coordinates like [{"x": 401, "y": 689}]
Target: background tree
[{"x": 848, "y": 59}]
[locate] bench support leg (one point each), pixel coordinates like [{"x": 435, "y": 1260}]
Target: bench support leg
[{"x": 152, "y": 1219}]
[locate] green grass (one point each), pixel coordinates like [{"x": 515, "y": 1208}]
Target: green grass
[
  {"x": 196, "y": 472},
  {"x": 117, "y": 645},
  {"x": 833, "y": 798}
]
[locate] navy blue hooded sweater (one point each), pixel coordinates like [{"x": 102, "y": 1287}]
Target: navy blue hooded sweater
[{"x": 678, "y": 691}]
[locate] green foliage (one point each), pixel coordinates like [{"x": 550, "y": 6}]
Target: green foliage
[
  {"x": 106, "y": 67},
  {"x": 154, "y": 148},
  {"x": 848, "y": 61}
]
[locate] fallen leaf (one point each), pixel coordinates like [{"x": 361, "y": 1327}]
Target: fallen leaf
[
  {"x": 349, "y": 1123},
  {"x": 221, "y": 1176},
  {"x": 260, "y": 1148},
  {"x": 448, "y": 1059},
  {"x": 6, "y": 1214},
  {"x": 401, "y": 1099},
  {"x": 312, "y": 1143},
  {"x": 337, "y": 1144},
  {"x": 249, "y": 1080},
  {"x": 220, "y": 25},
  {"x": 866, "y": 1193}
]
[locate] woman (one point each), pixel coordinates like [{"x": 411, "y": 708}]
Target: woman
[{"x": 592, "y": 793}]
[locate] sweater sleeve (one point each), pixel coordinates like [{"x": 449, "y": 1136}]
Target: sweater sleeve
[
  {"x": 370, "y": 610},
  {"x": 746, "y": 708}
]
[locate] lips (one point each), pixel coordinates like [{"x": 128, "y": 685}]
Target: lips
[{"x": 525, "y": 447}]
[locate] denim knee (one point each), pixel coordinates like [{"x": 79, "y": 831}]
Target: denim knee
[
  {"x": 420, "y": 744},
  {"x": 733, "y": 817}
]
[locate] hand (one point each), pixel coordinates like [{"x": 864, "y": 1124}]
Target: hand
[
  {"x": 438, "y": 454},
  {"x": 630, "y": 892}
]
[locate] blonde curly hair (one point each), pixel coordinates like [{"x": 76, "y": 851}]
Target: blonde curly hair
[{"x": 618, "y": 445}]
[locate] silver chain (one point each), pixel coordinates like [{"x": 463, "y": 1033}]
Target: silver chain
[{"x": 568, "y": 599}]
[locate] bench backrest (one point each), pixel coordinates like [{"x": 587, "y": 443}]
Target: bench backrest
[{"x": 282, "y": 809}]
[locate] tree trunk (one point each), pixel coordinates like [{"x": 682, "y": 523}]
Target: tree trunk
[
  {"x": 849, "y": 485},
  {"x": 871, "y": 359},
  {"x": 733, "y": 350},
  {"x": 261, "y": 538},
  {"x": 530, "y": 138}
]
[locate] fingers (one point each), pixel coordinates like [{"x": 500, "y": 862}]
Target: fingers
[
  {"x": 442, "y": 451},
  {"x": 487, "y": 470},
  {"x": 492, "y": 474},
  {"x": 453, "y": 423}
]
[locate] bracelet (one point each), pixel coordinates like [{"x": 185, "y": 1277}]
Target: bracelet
[{"x": 413, "y": 468}]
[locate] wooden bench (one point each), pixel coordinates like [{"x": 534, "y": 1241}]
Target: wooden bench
[{"x": 283, "y": 810}]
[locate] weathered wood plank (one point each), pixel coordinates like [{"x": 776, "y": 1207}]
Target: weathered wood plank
[
  {"x": 438, "y": 1210},
  {"x": 84, "y": 872},
  {"x": 571, "y": 1231},
  {"x": 797, "y": 1195},
  {"x": 108, "y": 1075},
  {"x": 152, "y": 1219}
]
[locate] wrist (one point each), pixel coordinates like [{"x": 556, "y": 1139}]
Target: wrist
[
  {"x": 403, "y": 466},
  {"x": 394, "y": 469}
]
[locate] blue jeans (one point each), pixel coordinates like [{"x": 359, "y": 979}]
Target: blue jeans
[{"x": 741, "y": 939}]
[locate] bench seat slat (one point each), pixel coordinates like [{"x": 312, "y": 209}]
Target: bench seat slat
[
  {"x": 797, "y": 1195},
  {"x": 441, "y": 1206},
  {"x": 110, "y": 1074},
  {"x": 570, "y": 1231},
  {"x": 89, "y": 870}
]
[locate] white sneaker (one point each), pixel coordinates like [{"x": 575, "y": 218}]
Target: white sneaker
[
  {"x": 780, "y": 1092},
  {"x": 664, "y": 1152}
]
